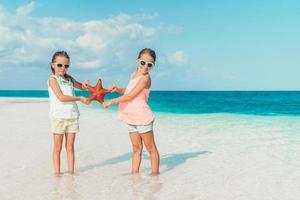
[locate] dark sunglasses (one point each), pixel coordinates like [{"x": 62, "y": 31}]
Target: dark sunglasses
[
  {"x": 149, "y": 64},
  {"x": 62, "y": 65}
]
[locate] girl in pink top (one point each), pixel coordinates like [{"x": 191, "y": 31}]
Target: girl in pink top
[{"x": 134, "y": 110}]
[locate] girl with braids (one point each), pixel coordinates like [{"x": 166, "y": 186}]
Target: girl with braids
[
  {"x": 136, "y": 113},
  {"x": 64, "y": 112}
]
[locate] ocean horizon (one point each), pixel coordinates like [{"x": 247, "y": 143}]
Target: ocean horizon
[{"x": 265, "y": 103}]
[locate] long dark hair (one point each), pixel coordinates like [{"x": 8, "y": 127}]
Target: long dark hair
[
  {"x": 148, "y": 51},
  {"x": 64, "y": 54}
]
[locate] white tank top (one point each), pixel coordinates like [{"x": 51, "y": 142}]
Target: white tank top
[{"x": 63, "y": 110}]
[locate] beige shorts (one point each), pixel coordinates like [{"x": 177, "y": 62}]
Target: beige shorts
[
  {"x": 62, "y": 126},
  {"x": 140, "y": 128}
]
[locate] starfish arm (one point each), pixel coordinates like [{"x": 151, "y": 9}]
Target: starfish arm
[
  {"x": 100, "y": 99},
  {"x": 93, "y": 96},
  {"x": 99, "y": 85}
]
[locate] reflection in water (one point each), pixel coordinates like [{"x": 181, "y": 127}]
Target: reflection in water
[
  {"x": 57, "y": 189},
  {"x": 72, "y": 192},
  {"x": 145, "y": 187},
  {"x": 65, "y": 187}
]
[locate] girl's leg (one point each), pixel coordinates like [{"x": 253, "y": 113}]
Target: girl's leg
[
  {"x": 58, "y": 139},
  {"x": 137, "y": 147},
  {"x": 70, "y": 138},
  {"x": 149, "y": 142}
]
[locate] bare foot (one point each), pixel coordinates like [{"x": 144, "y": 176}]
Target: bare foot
[
  {"x": 71, "y": 173},
  {"x": 154, "y": 174},
  {"x": 57, "y": 174}
]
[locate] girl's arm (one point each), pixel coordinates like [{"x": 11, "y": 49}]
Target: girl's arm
[
  {"x": 143, "y": 83},
  {"x": 78, "y": 85},
  {"x": 114, "y": 88},
  {"x": 64, "y": 98}
]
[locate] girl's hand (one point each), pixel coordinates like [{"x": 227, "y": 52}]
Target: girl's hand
[
  {"x": 113, "y": 88},
  {"x": 84, "y": 100},
  {"x": 106, "y": 104},
  {"x": 88, "y": 102},
  {"x": 85, "y": 84}
]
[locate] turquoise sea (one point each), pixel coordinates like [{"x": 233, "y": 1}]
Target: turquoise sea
[{"x": 205, "y": 102}]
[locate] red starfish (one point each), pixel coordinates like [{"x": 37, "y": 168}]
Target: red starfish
[{"x": 97, "y": 92}]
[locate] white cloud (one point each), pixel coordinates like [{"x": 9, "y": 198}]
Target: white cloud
[
  {"x": 101, "y": 48},
  {"x": 90, "y": 64},
  {"x": 28, "y": 40},
  {"x": 25, "y": 10},
  {"x": 177, "y": 58}
]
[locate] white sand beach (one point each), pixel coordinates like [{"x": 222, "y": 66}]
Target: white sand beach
[{"x": 206, "y": 157}]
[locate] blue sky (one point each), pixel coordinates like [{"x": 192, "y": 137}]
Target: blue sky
[{"x": 200, "y": 45}]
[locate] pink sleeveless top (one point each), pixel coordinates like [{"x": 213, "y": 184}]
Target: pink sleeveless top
[{"x": 136, "y": 111}]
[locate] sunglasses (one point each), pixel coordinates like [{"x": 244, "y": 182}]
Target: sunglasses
[
  {"x": 62, "y": 65},
  {"x": 143, "y": 63}
]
